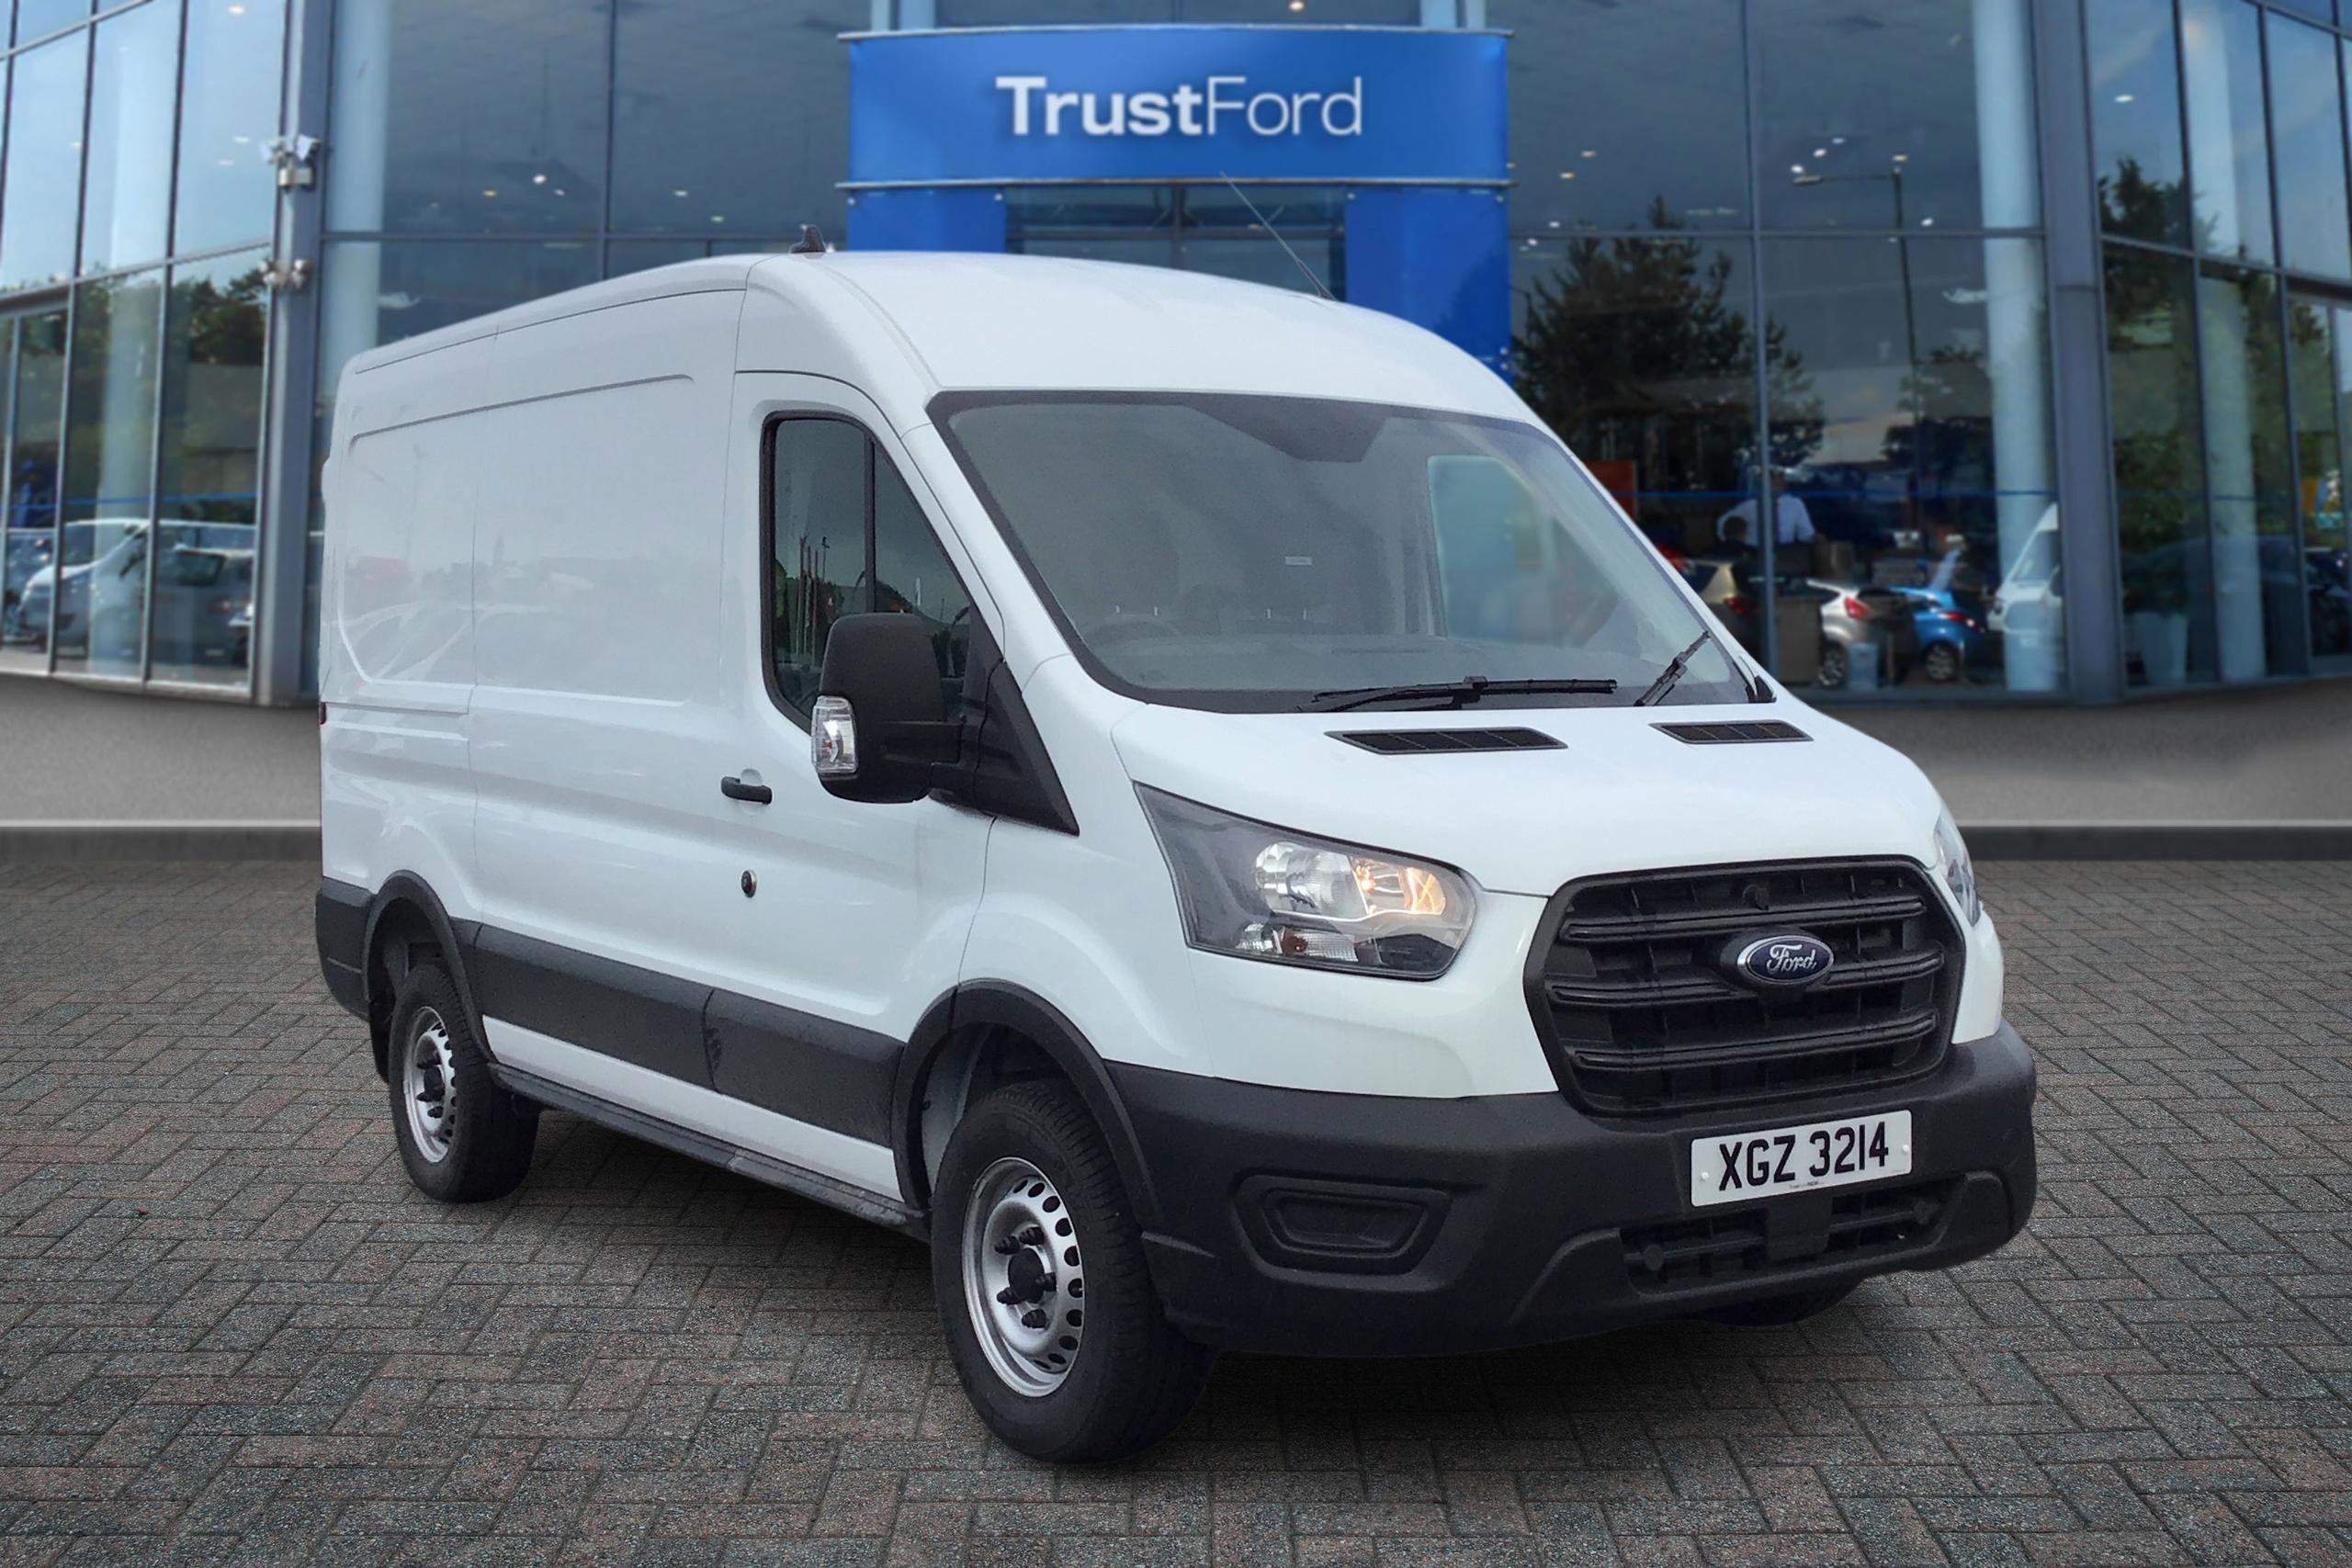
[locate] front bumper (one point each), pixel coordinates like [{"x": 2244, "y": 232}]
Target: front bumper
[{"x": 1314, "y": 1224}]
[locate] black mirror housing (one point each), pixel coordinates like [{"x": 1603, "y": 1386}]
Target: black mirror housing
[{"x": 884, "y": 666}]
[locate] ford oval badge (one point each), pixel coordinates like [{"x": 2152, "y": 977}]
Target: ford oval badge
[{"x": 1781, "y": 962}]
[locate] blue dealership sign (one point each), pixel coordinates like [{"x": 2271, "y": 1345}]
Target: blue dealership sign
[{"x": 1002, "y": 106}]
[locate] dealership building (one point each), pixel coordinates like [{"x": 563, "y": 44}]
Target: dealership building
[{"x": 1966, "y": 350}]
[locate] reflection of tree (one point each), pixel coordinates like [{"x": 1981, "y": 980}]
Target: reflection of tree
[
  {"x": 1637, "y": 346},
  {"x": 2132, "y": 204},
  {"x": 1947, "y": 444},
  {"x": 2312, "y": 371},
  {"x": 2159, "y": 478},
  {"x": 212, "y": 396},
  {"x": 224, "y": 325},
  {"x": 109, "y": 405}
]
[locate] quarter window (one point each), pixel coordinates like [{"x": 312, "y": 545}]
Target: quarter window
[{"x": 846, "y": 536}]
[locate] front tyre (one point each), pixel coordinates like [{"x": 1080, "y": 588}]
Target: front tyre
[
  {"x": 462, "y": 1137},
  {"x": 1052, "y": 1320}
]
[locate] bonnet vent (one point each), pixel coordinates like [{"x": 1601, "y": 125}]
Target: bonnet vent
[
  {"x": 1737, "y": 733},
  {"x": 1407, "y": 742}
]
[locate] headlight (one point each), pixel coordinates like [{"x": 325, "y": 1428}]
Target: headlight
[
  {"x": 1959, "y": 875},
  {"x": 1259, "y": 892}
]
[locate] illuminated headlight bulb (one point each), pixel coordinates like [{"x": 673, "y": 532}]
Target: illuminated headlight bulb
[{"x": 1309, "y": 882}]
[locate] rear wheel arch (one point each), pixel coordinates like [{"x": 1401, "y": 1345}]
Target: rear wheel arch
[
  {"x": 980, "y": 1036},
  {"x": 407, "y": 922}
]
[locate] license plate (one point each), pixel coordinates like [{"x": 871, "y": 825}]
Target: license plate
[{"x": 1740, "y": 1168}]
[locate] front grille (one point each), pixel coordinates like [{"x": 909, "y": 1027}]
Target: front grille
[
  {"x": 1633, "y": 1000},
  {"x": 1748, "y": 1244}
]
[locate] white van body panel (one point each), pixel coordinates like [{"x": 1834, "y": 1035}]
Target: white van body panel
[
  {"x": 596, "y": 568},
  {"x": 1088, "y": 921},
  {"x": 396, "y": 661}
]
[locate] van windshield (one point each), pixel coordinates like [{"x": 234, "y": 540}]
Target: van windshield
[{"x": 1249, "y": 554}]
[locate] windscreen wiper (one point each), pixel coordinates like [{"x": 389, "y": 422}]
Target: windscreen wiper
[
  {"x": 1673, "y": 671},
  {"x": 1452, "y": 693}
]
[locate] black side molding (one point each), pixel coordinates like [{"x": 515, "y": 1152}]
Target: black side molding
[
  {"x": 809, "y": 1184},
  {"x": 639, "y": 1016},
  {"x": 813, "y": 1069},
  {"x": 830, "y": 1075}
]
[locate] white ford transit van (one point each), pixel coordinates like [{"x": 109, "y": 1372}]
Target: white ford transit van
[{"x": 1183, "y": 796}]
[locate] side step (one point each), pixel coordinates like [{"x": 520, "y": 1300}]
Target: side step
[{"x": 809, "y": 1184}]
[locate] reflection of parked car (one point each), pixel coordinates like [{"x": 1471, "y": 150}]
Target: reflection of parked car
[
  {"x": 28, "y": 621},
  {"x": 1856, "y": 616},
  {"x": 201, "y": 590},
  {"x": 203, "y": 577},
  {"x": 1953, "y": 637},
  {"x": 29, "y": 551}
]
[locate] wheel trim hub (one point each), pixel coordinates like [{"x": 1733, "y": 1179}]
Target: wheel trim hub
[
  {"x": 429, "y": 1085},
  {"x": 1024, "y": 1280}
]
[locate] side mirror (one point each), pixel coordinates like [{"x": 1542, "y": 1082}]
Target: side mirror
[{"x": 879, "y": 726}]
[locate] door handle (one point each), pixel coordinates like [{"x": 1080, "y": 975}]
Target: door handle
[{"x": 734, "y": 788}]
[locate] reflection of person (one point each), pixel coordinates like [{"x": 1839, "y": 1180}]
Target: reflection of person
[
  {"x": 1734, "y": 533},
  {"x": 1791, "y": 524}
]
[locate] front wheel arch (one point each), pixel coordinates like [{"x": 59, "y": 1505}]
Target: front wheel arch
[{"x": 988, "y": 1021}]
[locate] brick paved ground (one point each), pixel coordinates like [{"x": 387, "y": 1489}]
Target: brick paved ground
[{"x": 229, "y": 1329}]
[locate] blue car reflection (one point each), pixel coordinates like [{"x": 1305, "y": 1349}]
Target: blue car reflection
[{"x": 1953, "y": 637}]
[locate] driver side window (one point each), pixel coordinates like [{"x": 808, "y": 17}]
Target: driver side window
[{"x": 845, "y": 536}]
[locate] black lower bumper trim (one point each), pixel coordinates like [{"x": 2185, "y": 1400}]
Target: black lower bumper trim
[
  {"x": 1538, "y": 1223},
  {"x": 339, "y": 921}
]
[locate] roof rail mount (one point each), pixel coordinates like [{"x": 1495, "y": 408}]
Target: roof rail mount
[{"x": 811, "y": 244}]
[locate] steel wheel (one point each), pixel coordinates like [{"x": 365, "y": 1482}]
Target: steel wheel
[
  {"x": 1025, "y": 1283},
  {"x": 429, "y": 1085}
]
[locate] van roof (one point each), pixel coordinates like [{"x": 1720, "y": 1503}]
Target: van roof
[
  {"x": 973, "y": 322},
  {"x": 1013, "y": 321}
]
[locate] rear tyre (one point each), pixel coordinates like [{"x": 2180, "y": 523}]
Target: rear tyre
[
  {"x": 1942, "y": 663},
  {"x": 1778, "y": 1312},
  {"x": 1052, "y": 1320},
  {"x": 462, "y": 1137},
  {"x": 1832, "y": 675}
]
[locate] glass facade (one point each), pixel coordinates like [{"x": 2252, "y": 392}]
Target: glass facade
[
  {"x": 137, "y": 207},
  {"x": 1779, "y": 272},
  {"x": 2221, "y": 134},
  {"x": 1825, "y": 307}
]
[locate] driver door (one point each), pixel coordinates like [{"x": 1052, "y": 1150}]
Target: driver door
[{"x": 853, "y": 920}]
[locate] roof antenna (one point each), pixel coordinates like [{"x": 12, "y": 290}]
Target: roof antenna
[
  {"x": 811, "y": 244},
  {"x": 1277, "y": 233}
]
